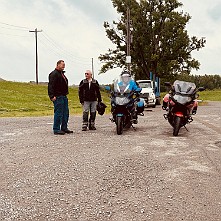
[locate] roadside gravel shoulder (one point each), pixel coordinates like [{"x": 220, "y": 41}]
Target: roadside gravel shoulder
[{"x": 144, "y": 174}]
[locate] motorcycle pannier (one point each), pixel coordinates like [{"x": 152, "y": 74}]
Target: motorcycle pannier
[{"x": 140, "y": 105}]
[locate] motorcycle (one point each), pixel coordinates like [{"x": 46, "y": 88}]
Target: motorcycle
[
  {"x": 125, "y": 106},
  {"x": 181, "y": 104}
]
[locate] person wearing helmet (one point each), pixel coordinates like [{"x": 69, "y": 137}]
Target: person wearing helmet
[{"x": 125, "y": 79}]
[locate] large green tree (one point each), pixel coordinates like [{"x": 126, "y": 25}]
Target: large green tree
[{"x": 160, "y": 42}]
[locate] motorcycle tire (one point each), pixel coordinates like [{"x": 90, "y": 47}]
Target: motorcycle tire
[
  {"x": 127, "y": 123},
  {"x": 177, "y": 125},
  {"x": 119, "y": 124}
]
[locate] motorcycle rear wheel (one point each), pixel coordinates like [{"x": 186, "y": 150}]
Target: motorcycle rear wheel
[
  {"x": 176, "y": 126},
  {"x": 119, "y": 124}
]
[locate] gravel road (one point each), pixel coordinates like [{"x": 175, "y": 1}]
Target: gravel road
[{"x": 145, "y": 174}]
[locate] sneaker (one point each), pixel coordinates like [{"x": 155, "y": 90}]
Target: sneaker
[
  {"x": 68, "y": 131},
  {"x": 60, "y": 132}
]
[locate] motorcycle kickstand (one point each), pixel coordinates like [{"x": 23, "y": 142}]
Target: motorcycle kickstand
[
  {"x": 186, "y": 128},
  {"x": 133, "y": 127}
]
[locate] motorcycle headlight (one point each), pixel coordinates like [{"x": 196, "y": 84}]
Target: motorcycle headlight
[{"x": 122, "y": 100}]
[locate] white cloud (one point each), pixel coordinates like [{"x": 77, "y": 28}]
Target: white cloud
[
  {"x": 68, "y": 33},
  {"x": 73, "y": 30},
  {"x": 205, "y": 23}
]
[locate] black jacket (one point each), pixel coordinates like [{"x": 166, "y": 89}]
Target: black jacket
[
  {"x": 57, "y": 85},
  {"x": 89, "y": 94}
]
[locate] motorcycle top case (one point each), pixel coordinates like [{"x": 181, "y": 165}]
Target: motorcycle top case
[{"x": 140, "y": 105}]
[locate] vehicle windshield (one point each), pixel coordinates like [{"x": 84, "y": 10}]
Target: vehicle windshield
[
  {"x": 122, "y": 86},
  {"x": 184, "y": 88},
  {"x": 145, "y": 84}
]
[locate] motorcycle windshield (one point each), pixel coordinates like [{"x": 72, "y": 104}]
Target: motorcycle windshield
[
  {"x": 122, "y": 91},
  {"x": 184, "y": 88},
  {"x": 183, "y": 91},
  {"x": 122, "y": 86}
]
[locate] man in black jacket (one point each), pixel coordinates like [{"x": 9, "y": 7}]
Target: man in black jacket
[
  {"x": 89, "y": 94},
  {"x": 57, "y": 92}
]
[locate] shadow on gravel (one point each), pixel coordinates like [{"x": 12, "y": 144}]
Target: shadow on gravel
[{"x": 218, "y": 143}]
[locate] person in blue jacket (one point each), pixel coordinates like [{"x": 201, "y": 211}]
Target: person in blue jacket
[
  {"x": 128, "y": 83},
  {"x": 126, "y": 79}
]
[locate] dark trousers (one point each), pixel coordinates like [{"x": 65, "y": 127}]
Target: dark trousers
[{"x": 61, "y": 113}]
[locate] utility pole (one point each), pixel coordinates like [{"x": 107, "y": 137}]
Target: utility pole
[
  {"x": 92, "y": 64},
  {"x": 36, "y": 51},
  {"x": 128, "y": 58}
]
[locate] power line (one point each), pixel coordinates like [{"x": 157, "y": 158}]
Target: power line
[
  {"x": 49, "y": 48},
  {"x": 14, "y": 29},
  {"x": 61, "y": 48},
  {"x": 14, "y": 25},
  {"x": 64, "y": 52},
  {"x": 13, "y": 35},
  {"x": 53, "y": 50}
]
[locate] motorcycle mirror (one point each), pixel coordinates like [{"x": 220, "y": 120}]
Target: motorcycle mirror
[
  {"x": 201, "y": 89},
  {"x": 167, "y": 84}
]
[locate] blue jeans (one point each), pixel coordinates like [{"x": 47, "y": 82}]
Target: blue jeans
[{"x": 61, "y": 113}]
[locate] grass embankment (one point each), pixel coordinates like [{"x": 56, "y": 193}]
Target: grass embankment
[
  {"x": 205, "y": 96},
  {"x": 214, "y": 95},
  {"x": 26, "y": 99}
]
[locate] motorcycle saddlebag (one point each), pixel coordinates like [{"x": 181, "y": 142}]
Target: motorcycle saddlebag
[{"x": 140, "y": 105}]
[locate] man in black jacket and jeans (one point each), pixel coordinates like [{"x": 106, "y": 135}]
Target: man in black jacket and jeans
[
  {"x": 89, "y": 94},
  {"x": 57, "y": 92}
]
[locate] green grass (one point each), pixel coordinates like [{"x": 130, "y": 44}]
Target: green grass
[
  {"x": 26, "y": 99},
  {"x": 214, "y": 95},
  {"x": 205, "y": 96}
]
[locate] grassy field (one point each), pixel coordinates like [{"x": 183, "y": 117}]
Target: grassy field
[
  {"x": 26, "y": 99},
  {"x": 205, "y": 96},
  {"x": 214, "y": 95}
]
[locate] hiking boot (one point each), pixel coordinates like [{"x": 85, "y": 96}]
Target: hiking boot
[
  {"x": 92, "y": 127},
  {"x": 84, "y": 128},
  {"x": 134, "y": 121},
  {"x": 193, "y": 112}
]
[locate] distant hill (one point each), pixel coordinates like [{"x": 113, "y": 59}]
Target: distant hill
[{"x": 1, "y": 79}]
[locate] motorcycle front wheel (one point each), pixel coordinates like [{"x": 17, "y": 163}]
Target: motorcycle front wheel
[
  {"x": 119, "y": 124},
  {"x": 176, "y": 126}
]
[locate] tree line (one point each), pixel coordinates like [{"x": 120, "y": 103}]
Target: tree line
[{"x": 209, "y": 82}]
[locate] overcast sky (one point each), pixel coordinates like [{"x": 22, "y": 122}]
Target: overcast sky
[{"x": 73, "y": 30}]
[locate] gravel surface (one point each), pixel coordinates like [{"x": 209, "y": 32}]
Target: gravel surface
[{"x": 140, "y": 175}]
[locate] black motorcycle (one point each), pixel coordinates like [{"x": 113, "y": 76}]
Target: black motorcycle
[
  {"x": 125, "y": 106},
  {"x": 180, "y": 104}
]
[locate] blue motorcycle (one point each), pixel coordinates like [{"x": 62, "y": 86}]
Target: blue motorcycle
[{"x": 125, "y": 106}]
